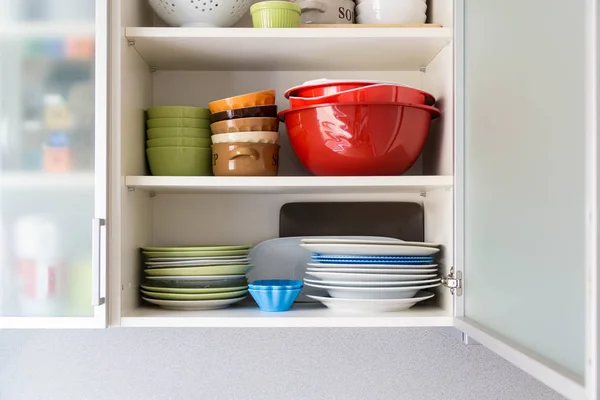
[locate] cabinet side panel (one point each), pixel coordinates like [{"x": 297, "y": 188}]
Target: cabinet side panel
[
  {"x": 525, "y": 169},
  {"x": 438, "y": 155},
  {"x": 131, "y": 226}
]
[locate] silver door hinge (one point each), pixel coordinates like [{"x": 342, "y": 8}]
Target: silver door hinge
[{"x": 453, "y": 281}]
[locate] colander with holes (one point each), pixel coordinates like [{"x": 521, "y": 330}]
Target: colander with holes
[{"x": 200, "y": 13}]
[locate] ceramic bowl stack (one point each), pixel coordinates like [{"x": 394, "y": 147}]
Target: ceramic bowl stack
[
  {"x": 391, "y": 11},
  {"x": 195, "y": 278},
  {"x": 178, "y": 141},
  {"x": 371, "y": 275},
  {"x": 245, "y": 135}
]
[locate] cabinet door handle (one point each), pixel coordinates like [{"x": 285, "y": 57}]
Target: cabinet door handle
[{"x": 98, "y": 260}]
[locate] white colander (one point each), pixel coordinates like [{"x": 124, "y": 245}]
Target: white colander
[{"x": 192, "y": 13}]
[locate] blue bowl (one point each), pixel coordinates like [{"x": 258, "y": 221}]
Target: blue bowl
[
  {"x": 275, "y": 300},
  {"x": 275, "y": 284}
]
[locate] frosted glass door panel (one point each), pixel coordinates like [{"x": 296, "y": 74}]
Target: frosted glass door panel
[
  {"x": 525, "y": 174},
  {"x": 46, "y": 157}
]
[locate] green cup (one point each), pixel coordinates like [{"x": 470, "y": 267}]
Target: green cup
[
  {"x": 178, "y": 112},
  {"x": 275, "y": 14},
  {"x": 179, "y": 161},
  {"x": 179, "y": 141},
  {"x": 157, "y": 133},
  {"x": 178, "y": 123}
]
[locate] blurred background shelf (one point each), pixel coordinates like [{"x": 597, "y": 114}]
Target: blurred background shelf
[
  {"x": 47, "y": 181},
  {"x": 16, "y": 30}
]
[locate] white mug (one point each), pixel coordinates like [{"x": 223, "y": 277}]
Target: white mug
[{"x": 326, "y": 11}]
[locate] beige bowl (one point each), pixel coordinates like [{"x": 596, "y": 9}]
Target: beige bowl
[
  {"x": 255, "y": 124},
  {"x": 245, "y": 159},
  {"x": 246, "y": 137}
]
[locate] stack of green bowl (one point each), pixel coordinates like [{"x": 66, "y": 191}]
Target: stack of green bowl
[{"x": 178, "y": 141}]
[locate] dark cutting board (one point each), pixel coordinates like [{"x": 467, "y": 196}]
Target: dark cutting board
[{"x": 400, "y": 220}]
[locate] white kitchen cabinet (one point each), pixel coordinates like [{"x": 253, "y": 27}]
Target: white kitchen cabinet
[
  {"x": 507, "y": 180},
  {"x": 53, "y": 180}
]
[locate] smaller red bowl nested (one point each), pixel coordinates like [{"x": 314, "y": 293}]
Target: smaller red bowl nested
[
  {"x": 369, "y": 94},
  {"x": 327, "y": 88},
  {"x": 324, "y": 89},
  {"x": 341, "y": 139}
]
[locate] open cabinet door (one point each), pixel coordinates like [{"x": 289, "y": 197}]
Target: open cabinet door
[
  {"x": 53, "y": 163},
  {"x": 526, "y": 171}
]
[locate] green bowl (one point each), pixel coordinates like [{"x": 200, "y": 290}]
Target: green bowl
[
  {"x": 157, "y": 133},
  {"x": 275, "y": 14},
  {"x": 179, "y": 141},
  {"x": 178, "y": 123},
  {"x": 179, "y": 161},
  {"x": 178, "y": 112}
]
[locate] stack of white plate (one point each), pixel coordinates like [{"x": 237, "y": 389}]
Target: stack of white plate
[
  {"x": 371, "y": 275},
  {"x": 196, "y": 278}
]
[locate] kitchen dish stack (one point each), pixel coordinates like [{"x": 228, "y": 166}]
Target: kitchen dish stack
[
  {"x": 245, "y": 135},
  {"x": 195, "y": 278},
  {"x": 357, "y": 128},
  {"x": 371, "y": 275},
  {"x": 178, "y": 141}
]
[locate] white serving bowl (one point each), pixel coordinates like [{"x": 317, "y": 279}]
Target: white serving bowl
[
  {"x": 200, "y": 13},
  {"x": 390, "y": 12},
  {"x": 246, "y": 137}
]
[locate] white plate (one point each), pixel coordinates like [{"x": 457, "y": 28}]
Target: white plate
[
  {"x": 194, "y": 305},
  {"x": 196, "y": 278},
  {"x": 394, "y": 271},
  {"x": 283, "y": 258},
  {"x": 376, "y": 266},
  {"x": 352, "y": 277},
  {"x": 345, "y": 292},
  {"x": 195, "y": 263},
  {"x": 369, "y": 249},
  {"x": 371, "y": 306},
  {"x": 355, "y": 241},
  {"x": 371, "y": 284}
]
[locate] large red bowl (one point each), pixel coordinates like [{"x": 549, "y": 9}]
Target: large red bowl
[
  {"x": 342, "y": 139},
  {"x": 369, "y": 94}
]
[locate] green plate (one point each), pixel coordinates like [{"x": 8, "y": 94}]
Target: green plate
[
  {"x": 210, "y": 296},
  {"x": 162, "y": 133},
  {"x": 199, "y": 248},
  {"x": 200, "y": 271},
  {"x": 193, "y": 290},
  {"x": 178, "y": 112},
  {"x": 178, "y": 123},
  {"x": 198, "y": 253}
]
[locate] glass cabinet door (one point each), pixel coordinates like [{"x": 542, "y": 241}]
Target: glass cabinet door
[
  {"x": 526, "y": 181},
  {"x": 52, "y": 162}
]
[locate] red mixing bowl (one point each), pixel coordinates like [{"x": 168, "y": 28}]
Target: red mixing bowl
[
  {"x": 369, "y": 94},
  {"x": 341, "y": 139}
]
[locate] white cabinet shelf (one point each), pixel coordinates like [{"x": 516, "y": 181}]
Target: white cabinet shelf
[
  {"x": 301, "y": 49},
  {"x": 302, "y": 315},
  {"x": 289, "y": 184}
]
